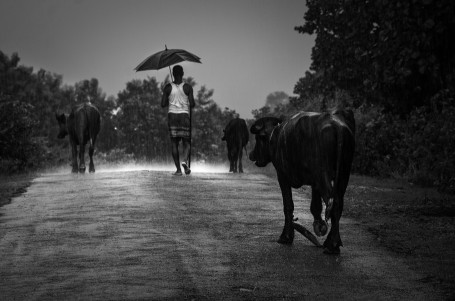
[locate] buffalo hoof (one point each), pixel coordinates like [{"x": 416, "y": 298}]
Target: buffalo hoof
[
  {"x": 81, "y": 169},
  {"x": 91, "y": 170},
  {"x": 331, "y": 248},
  {"x": 286, "y": 238},
  {"x": 332, "y": 251},
  {"x": 74, "y": 170},
  {"x": 320, "y": 227}
]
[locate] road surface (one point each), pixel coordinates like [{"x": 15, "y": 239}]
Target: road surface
[{"x": 145, "y": 234}]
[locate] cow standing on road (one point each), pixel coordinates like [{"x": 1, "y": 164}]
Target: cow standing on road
[
  {"x": 313, "y": 149},
  {"x": 82, "y": 126},
  {"x": 236, "y": 137}
]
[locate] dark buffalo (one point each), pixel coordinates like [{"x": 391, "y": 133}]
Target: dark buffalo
[
  {"x": 314, "y": 149},
  {"x": 82, "y": 126},
  {"x": 236, "y": 137}
]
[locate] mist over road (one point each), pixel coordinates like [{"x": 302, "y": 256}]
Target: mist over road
[{"x": 145, "y": 234}]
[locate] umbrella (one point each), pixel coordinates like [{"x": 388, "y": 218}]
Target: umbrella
[{"x": 166, "y": 58}]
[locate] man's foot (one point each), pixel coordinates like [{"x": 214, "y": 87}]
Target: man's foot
[
  {"x": 177, "y": 173},
  {"x": 187, "y": 169}
]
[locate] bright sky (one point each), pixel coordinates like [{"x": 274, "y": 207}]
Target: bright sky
[{"x": 248, "y": 48}]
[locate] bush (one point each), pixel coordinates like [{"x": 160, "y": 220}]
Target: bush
[
  {"x": 420, "y": 147},
  {"x": 378, "y": 138},
  {"x": 430, "y": 142},
  {"x": 18, "y": 150}
]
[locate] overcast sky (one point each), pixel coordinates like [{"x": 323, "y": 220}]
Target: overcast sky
[{"x": 249, "y": 48}]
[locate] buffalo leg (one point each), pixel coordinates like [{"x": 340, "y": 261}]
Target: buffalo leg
[
  {"x": 91, "y": 150},
  {"x": 287, "y": 236},
  {"x": 240, "y": 161},
  {"x": 81, "y": 121},
  {"x": 319, "y": 226},
  {"x": 234, "y": 160},
  {"x": 333, "y": 242},
  {"x": 74, "y": 165},
  {"x": 81, "y": 158}
]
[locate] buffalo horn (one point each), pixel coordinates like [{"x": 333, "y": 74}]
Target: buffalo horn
[{"x": 256, "y": 127}]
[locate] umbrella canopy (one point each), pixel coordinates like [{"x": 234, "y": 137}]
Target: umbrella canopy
[{"x": 166, "y": 58}]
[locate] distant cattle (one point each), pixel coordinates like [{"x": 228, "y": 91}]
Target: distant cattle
[
  {"x": 313, "y": 149},
  {"x": 82, "y": 126},
  {"x": 236, "y": 137}
]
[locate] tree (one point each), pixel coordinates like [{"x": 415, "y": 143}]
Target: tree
[
  {"x": 141, "y": 122},
  {"x": 28, "y": 100},
  {"x": 89, "y": 90},
  {"x": 276, "y": 104},
  {"x": 17, "y": 148},
  {"x": 206, "y": 125},
  {"x": 8, "y": 71},
  {"x": 276, "y": 98},
  {"x": 393, "y": 52},
  {"x": 46, "y": 97}
]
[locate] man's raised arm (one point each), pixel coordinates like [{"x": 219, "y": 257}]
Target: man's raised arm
[{"x": 165, "y": 98}]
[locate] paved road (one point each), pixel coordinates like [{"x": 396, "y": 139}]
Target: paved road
[{"x": 119, "y": 235}]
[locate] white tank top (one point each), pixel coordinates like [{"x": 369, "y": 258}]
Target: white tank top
[{"x": 178, "y": 100}]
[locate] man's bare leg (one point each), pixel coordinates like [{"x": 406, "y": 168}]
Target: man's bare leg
[
  {"x": 175, "y": 154},
  {"x": 186, "y": 154}
]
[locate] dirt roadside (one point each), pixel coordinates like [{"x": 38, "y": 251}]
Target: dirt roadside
[{"x": 416, "y": 224}]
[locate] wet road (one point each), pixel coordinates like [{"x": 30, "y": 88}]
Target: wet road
[{"x": 149, "y": 235}]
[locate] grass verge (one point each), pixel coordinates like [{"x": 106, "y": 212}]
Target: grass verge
[
  {"x": 416, "y": 223},
  {"x": 14, "y": 185}
]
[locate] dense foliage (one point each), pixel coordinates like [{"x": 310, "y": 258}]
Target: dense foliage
[
  {"x": 17, "y": 148},
  {"x": 419, "y": 147},
  {"x": 394, "y": 53}
]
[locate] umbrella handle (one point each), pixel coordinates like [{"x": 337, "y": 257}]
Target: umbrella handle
[
  {"x": 172, "y": 78},
  {"x": 189, "y": 153}
]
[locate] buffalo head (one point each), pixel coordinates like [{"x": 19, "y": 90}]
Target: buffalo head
[
  {"x": 262, "y": 129},
  {"x": 63, "y": 130}
]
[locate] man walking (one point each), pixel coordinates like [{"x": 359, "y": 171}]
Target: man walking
[{"x": 179, "y": 97}]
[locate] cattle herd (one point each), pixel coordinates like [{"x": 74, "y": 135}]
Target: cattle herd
[{"x": 314, "y": 149}]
